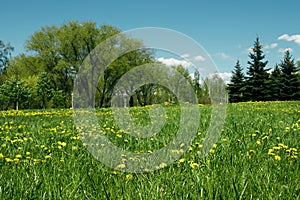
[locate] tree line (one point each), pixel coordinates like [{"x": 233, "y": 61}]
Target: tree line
[
  {"x": 44, "y": 76},
  {"x": 281, "y": 83}
]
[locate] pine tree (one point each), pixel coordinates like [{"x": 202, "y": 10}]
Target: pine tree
[
  {"x": 237, "y": 83},
  {"x": 256, "y": 82},
  {"x": 275, "y": 84},
  {"x": 289, "y": 78}
]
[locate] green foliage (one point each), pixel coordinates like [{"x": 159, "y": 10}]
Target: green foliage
[
  {"x": 5, "y": 52},
  {"x": 237, "y": 84},
  {"x": 59, "y": 100},
  {"x": 289, "y": 78},
  {"x": 256, "y": 81},
  {"x": 281, "y": 84},
  {"x": 275, "y": 84},
  {"x": 43, "y": 90},
  {"x": 14, "y": 93}
]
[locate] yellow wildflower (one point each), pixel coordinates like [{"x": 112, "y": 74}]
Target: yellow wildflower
[
  {"x": 18, "y": 156},
  {"x": 129, "y": 177},
  {"x": 8, "y": 160},
  {"x": 193, "y": 165},
  {"x": 121, "y": 166},
  {"x": 277, "y": 157}
]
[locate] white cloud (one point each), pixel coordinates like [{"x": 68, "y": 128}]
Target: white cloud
[
  {"x": 185, "y": 55},
  {"x": 281, "y": 50},
  {"x": 271, "y": 46},
  {"x": 174, "y": 62},
  {"x": 224, "y": 56},
  {"x": 225, "y": 75},
  {"x": 199, "y": 58},
  {"x": 294, "y": 38}
]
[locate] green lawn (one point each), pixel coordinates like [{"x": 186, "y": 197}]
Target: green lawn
[{"x": 256, "y": 157}]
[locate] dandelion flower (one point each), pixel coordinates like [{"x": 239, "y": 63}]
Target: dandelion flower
[
  {"x": 277, "y": 157},
  {"x": 194, "y": 165},
  {"x": 258, "y": 142},
  {"x": 252, "y": 151},
  {"x": 8, "y": 160},
  {"x": 18, "y": 156},
  {"x": 121, "y": 166},
  {"x": 129, "y": 177}
]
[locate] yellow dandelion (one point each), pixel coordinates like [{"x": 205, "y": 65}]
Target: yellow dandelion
[
  {"x": 258, "y": 142},
  {"x": 251, "y": 151},
  {"x": 129, "y": 177},
  {"x": 194, "y": 165},
  {"x": 27, "y": 153},
  {"x": 265, "y": 138},
  {"x": 121, "y": 166},
  {"x": 115, "y": 172},
  {"x": 277, "y": 157},
  {"x": 35, "y": 161},
  {"x": 294, "y": 157},
  {"x": 162, "y": 165},
  {"x": 75, "y": 148},
  {"x": 181, "y": 160},
  {"x": 18, "y": 156},
  {"x": 1, "y": 155},
  {"x": 16, "y": 160},
  {"x": 8, "y": 160},
  {"x": 276, "y": 148},
  {"x": 48, "y": 157},
  {"x": 283, "y": 146},
  {"x": 270, "y": 152}
]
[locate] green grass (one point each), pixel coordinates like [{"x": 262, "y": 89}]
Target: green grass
[{"x": 256, "y": 157}]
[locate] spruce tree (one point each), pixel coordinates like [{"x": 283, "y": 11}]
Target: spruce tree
[
  {"x": 237, "y": 83},
  {"x": 275, "y": 85},
  {"x": 289, "y": 78},
  {"x": 257, "y": 79}
]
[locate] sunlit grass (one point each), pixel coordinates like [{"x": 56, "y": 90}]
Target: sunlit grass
[{"x": 256, "y": 157}]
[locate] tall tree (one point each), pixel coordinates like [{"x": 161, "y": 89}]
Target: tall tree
[
  {"x": 289, "y": 78},
  {"x": 15, "y": 92},
  {"x": 237, "y": 84},
  {"x": 43, "y": 89},
  {"x": 257, "y": 79},
  {"x": 5, "y": 53},
  {"x": 275, "y": 84}
]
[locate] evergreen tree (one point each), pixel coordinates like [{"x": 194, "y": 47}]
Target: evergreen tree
[
  {"x": 289, "y": 78},
  {"x": 237, "y": 83},
  {"x": 275, "y": 84},
  {"x": 256, "y": 82}
]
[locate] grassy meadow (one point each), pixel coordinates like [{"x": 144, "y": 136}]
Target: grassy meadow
[{"x": 256, "y": 156}]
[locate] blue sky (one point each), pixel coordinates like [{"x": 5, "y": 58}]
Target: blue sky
[{"x": 226, "y": 29}]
